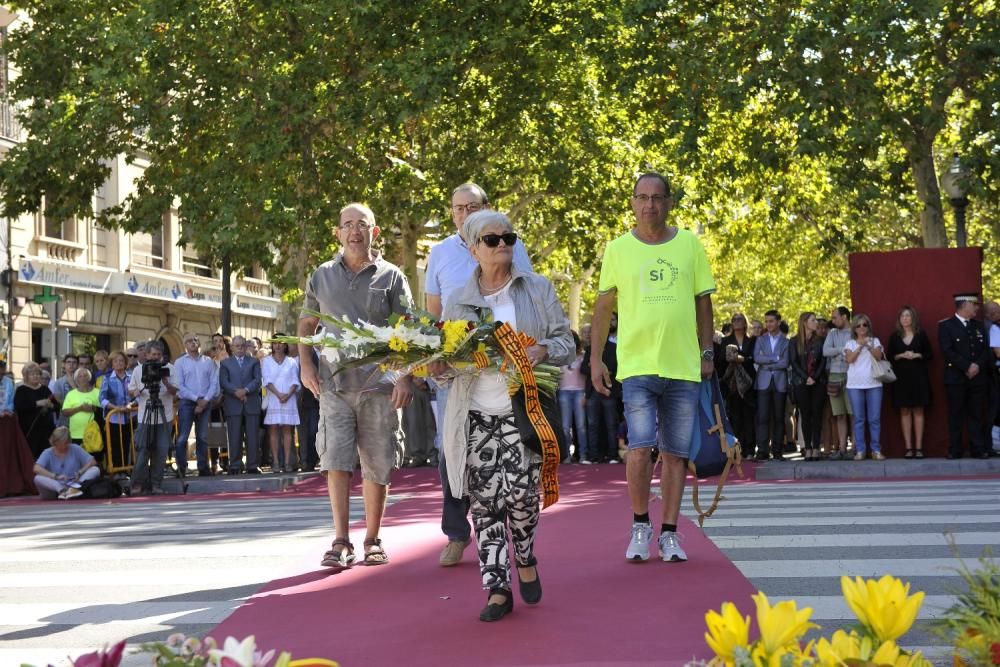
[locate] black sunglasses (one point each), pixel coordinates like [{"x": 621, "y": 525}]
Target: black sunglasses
[{"x": 493, "y": 240}]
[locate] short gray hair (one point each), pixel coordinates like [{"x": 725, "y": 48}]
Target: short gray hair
[
  {"x": 59, "y": 434},
  {"x": 479, "y": 220},
  {"x": 83, "y": 371},
  {"x": 154, "y": 345},
  {"x": 475, "y": 189}
]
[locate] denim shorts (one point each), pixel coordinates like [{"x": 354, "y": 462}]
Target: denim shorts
[{"x": 660, "y": 412}]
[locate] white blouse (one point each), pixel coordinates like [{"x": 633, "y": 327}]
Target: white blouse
[
  {"x": 859, "y": 373},
  {"x": 489, "y": 392}
]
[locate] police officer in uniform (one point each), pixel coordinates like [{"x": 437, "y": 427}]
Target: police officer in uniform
[{"x": 967, "y": 356}]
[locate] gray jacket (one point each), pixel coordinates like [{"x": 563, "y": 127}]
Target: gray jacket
[
  {"x": 539, "y": 315},
  {"x": 833, "y": 350},
  {"x": 772, "y": 367}
]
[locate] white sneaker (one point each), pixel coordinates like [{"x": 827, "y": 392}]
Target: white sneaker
[
  {"x": 670, "y": 548},
  {"x": 638, "y": 545},
  {"x": 586, "y": 462},
  {"x": 69, "y": 493}
]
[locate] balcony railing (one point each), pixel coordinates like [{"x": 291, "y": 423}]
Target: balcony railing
[{"x": 9, "y": 127}]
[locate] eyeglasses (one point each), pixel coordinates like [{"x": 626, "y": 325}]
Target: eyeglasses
[
  {"x": 860, "y": 324},
  {"x": 466, "y": 208},
  {"x": 362, "y": 226},
  {"x": 493, "y": 240},
  {"x": 656, "y": 199},
  {"x": 132, "y": 356}
]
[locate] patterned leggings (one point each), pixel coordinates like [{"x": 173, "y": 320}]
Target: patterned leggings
[{"x": 503, "y": 488}]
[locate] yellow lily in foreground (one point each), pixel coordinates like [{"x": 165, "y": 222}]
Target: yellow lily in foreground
[
  {"x": 842, "y": 647},
  {"x": 726, "y": 632},
  {"x": 884, "y": 606},
  {"x": 782, "y": 625}
]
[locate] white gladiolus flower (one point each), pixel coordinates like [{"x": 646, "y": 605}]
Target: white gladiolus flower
[{"x": 240, "y": 653}]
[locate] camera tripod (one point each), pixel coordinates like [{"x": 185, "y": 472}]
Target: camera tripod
[{"x": 147, "y": 456}]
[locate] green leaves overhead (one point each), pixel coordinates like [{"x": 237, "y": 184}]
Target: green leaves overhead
[{"x": 258, "y": 120}]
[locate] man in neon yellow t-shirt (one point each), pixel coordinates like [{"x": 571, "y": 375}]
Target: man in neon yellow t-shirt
[{"x": 660, "y": 277}]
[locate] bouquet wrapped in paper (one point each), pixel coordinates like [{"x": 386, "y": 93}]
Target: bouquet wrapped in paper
[{"x": 412, "y": 341}]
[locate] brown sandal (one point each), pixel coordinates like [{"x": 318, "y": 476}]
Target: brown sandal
[
  {"x": 374, "y": 553},
  {"x": 340, "y": 556}
]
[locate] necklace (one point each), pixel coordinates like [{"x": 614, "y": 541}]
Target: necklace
[{"x": 492, "y": 290}]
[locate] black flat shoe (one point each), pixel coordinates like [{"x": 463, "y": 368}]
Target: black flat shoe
[
  {"x": 531, "y": 591},
  {"x": 494, "y": 612}
]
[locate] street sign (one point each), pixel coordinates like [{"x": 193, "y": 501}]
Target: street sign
[{"x": 50, "y": 304}]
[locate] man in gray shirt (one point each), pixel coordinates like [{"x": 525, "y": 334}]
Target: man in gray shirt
[
  {"x": 358, "y": 409},
  {"x": 833, "y": 350}
]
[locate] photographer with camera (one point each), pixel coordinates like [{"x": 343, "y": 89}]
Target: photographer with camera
[{"x": 152, "y": 383}]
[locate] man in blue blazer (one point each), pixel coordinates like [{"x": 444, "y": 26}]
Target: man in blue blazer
[
  {"x": 771, "y": 353},
  {"x": 239, "y": 379}
]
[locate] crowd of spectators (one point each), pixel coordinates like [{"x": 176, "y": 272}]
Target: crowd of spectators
[
  {"x": 812, "y": 390},
  {"x": 143, "y": 440},
  {"x": 815, "y": 391}
]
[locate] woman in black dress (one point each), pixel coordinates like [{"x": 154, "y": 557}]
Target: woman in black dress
[
  {"x": 909, "y": 351},
  {"x": 33, "y": 404}
]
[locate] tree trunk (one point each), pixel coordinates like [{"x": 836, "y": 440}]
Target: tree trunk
[
  {"x": 407, "y": 256},
  {"x": 920, "y": 152},
  {"x": 576, "y": 298}
]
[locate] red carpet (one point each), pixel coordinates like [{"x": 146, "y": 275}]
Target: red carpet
[{"x": 597, "y": 609}]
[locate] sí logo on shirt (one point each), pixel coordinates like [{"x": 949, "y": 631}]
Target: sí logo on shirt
[{"x": 660, "y": 275}]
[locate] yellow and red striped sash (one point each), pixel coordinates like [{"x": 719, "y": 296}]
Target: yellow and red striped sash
[{"x": 514, "y": 344}]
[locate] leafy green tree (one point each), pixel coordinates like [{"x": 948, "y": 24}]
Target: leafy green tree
[{"x": 869, "y": 85}]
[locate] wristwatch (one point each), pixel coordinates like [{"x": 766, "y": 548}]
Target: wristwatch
[{"x": 708, "y": 355}]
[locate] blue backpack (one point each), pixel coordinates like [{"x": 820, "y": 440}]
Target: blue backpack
[{"x": 714, "y": 449}]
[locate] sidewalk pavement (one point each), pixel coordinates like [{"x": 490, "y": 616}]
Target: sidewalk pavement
[{"x": 868, "y": 469}]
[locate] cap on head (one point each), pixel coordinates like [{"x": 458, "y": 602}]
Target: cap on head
[{"x": 962, "y": 297}]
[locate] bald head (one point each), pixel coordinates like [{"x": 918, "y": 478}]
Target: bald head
[{"x": 991, "y": 309}]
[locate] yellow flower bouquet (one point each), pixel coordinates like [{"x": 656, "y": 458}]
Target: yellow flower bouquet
[{"x": 884, "y": 608}]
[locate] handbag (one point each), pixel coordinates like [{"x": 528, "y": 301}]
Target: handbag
[
  {"x": 92, "y": 440},
  {"x": 882, "y": 371},
  {"x": 526, "y": 430}
]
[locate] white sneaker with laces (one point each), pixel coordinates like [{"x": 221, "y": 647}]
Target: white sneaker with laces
[
  {"x": 638, "y": 545},
  {"x": 670, "y": 548}
]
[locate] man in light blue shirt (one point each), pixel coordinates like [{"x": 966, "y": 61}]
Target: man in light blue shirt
[
  {"x": 449, "y": 267},
  {"x": 197, "y": 387},
  {"x": 450, "y": 264}
]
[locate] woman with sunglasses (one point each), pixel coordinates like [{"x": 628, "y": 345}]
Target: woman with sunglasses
[
  {"x": 863, "y": 390},
  {"x": 485, "y": 456}
]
